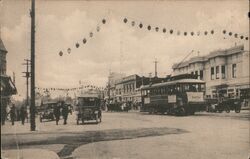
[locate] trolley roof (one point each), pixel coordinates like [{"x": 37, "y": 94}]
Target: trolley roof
[{"x": 191, "y": 81}]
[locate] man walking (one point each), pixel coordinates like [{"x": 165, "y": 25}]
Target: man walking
[
  {"x": 57, "y": 112},
  {"x": 65, "y": 112},
  {"x": 13, "y": 114},
  {"x": 23, "y": 114}
]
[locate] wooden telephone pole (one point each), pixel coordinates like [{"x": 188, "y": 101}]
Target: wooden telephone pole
[{"x": 32, "y": 70}]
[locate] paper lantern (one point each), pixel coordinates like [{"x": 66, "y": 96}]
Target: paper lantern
[
  {"x": 77, "y": 45},
  {"x": 140, "y": 25},
  {"x": 149, "y": 27},
  {"x": 84, "y": 41},
  {"x": 224, "y": 31},
  {"x": 192, "y": 33},
  {"x": 103, "y": 21},
  {"x": 125, "y": 20},
  {"x": 230, "y": 33},
  {"x": 156, "y": 29},
  {"x": 212, "y": 31},
  {"x": 90, "y": 34},
  {"x": 68, "y": 50},
  {"x": 97, "y": 28},
  {"x": 133, "y": 23},
  {"x": 164, "y": 30},
  {"x": 185, "y": 33},
  {"x": 171, "y": 31},
  {"x": 205, "y": 32},
  {"x": 242, "y": 37},
  {"x": 246, "y": 38},
  {"x": 60, "y": 53},
  {"x": 236, "y": 35}
]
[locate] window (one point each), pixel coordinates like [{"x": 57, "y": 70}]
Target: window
[
  {"x": 201, "y": 74},
  {"x": 212, "y": 73},
  {"x": 192, "y": 73},
  {"x": 223, "y": 72},
  {"x": 217, "y": 72},
  {"x": 234, "y": 71}
]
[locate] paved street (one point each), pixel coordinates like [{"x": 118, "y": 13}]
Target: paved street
[{"x": 138, "y": 135}]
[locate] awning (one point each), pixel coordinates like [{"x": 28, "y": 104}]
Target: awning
[{"x": 7, "y": 86}]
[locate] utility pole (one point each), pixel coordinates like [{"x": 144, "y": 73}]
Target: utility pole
[
  {"x": 155, "y": 67},
  {"x": 27, "y": 76},
  {"x": 32, "y": 70}
]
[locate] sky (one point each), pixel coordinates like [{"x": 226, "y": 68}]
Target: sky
[{"x": 118, "y": 46}]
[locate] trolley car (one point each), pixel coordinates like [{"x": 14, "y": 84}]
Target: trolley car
[{"x": 177, "y": 97}]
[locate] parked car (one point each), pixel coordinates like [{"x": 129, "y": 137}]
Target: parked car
[{"x": 47, "y": 111}]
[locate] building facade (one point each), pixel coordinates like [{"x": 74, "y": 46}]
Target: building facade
[
  {"x": 110, "y": 91},
  {"x": 7, "y": 87},
  {"x": 225, "y": 71}
]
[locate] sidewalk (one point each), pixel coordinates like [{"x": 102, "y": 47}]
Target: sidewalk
[{"x": 28, "y": 154}]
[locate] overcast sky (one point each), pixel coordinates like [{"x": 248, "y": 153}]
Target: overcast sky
[{"x": 118, "y": 47}]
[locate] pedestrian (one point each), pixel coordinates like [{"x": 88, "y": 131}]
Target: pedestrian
[
  {"x": 23, "y": 114},
  {"x": 57, "y": 112},
  {"x": 13, "y": 114},
  {"x": 65, "y": 112}
]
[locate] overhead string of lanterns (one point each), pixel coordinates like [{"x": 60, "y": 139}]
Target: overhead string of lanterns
[
  {"x": 70, "y": 89},
  {"x": 85, "y": 39},
  {"x": 149, "y": 27},
  {"x": 171, "y": 31}
]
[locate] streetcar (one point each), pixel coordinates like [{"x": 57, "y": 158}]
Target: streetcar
[{"x": 177, "y": 97}]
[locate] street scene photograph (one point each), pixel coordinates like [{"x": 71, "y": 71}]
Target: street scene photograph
[{"x": 143, "y": 79}]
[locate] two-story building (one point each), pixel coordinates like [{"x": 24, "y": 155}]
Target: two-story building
[{"x": 225, "y": 71}]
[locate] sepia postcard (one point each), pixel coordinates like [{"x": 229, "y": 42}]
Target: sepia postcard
[{"x": 106, "y": 79}]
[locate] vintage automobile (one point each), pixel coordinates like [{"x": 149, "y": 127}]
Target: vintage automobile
[
  {"x": 46, "y": 111},
  {"x": 228, "y": 104},
  {"x": 88, "y": 107}
]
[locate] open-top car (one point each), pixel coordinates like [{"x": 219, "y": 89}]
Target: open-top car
[
  {"x": 47, "y": 111},
  {"x": 88, "y": 107}
]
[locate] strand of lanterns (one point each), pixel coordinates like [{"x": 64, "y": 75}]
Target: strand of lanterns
[
  {"x": 133, "y": 23},
  {"x": 69, "y": 89},
  {"x": 85, "y": 39},
  {"x": 140, "y": 25}
]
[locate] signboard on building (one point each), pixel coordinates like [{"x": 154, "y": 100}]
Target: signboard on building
[
  {"x": 195, "y": 96},
  {"x": 172, "y": 99}
]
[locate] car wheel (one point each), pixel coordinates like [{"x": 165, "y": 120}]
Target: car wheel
[{"x": 237, "y": 110}]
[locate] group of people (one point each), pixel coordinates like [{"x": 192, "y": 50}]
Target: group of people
[
  {"x": 22, "y": 114},
  {"x": 61, "y": 108}
]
